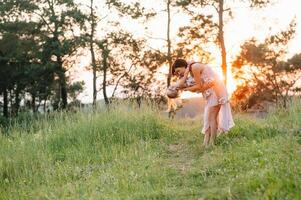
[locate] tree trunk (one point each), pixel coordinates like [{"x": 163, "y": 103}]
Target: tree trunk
[
  {"x": 139, "y": 101},
  {"x": 221, "y": 39},
  {"x": 33, "y": 103},
  {"x": 169, "y": 45},
  {"x": 60, "y": 68},
  {"x": 44, "y": 105},
  {"x": 284, "y": 103},
  {"x": 11, "y": 101},
  {"x": 16, "y": 104},
  {"x": 64, "y": 91},
  {"x": 63, "y": 84},
  {"x": 5, "y": 103},
  {"x": 105, "y": 67},
  {"x": 93, "y": 53}
]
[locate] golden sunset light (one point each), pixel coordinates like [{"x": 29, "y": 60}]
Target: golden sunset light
[{"x": 150, "y": 99}]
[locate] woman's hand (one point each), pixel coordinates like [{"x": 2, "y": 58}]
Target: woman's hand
[
  {"x": 205, "y": 86},
  {"x": 193, "y": 88}
]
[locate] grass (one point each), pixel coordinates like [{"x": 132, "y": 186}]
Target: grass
[{"x": 127, "y": 153}]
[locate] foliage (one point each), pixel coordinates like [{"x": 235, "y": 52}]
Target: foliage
[
  {"x": 134, "y": 10},
  {"x": 194, "y": 37},
  {"x": 264, "y": 73},
  {"x": 36, "y": 45},
  {"x": 40, "y": 39},
  {"x": 208, "y": 19},
  {"x": 75, "y": 89}
]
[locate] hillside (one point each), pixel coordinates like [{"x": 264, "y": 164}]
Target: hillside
[{"x": 127, "y": 153}]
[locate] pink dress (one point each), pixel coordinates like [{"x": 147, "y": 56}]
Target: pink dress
[{"x": 214, "y": 96}]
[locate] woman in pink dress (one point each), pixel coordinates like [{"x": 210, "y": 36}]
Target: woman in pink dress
[{"x": 217, "y": 113}]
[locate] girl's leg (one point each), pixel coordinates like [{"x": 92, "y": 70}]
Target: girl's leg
[{"x": 213, "y": 117}]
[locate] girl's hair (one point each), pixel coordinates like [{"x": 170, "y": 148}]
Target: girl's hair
[{"x": 178, "y": 63}]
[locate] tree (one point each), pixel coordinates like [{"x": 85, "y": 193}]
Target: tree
[
  {"x": 129, "y": 63},
  {"x": 169, "y": 4},
  {"x": 37, "y": 37},
  {"x": 264, "y": 72},
  {"x": 75, "y": 89},
  {"x": 100, "y": 39},
  {"x": 4, "y": 73},
  {"x": 169, "y": 54},
  {"x": 58, "y": 19},
  {"x": 93, "y": 19},
  {"x": 221, "y": 8},
  {"x": 18, "y": 54},
  {"x": 193, "y": 37},
  {"x": 105, "y": 53},
  {"x": 142, "y": 82}
]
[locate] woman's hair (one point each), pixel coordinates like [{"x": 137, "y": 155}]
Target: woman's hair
[{"x": 178, "y": 63}]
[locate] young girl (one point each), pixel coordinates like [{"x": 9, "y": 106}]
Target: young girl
[{"x": 173, "y": 100}]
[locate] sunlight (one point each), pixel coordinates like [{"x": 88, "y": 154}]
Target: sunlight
[
  {"x": 237, "y": 30},
  {"x": 231, "y": 84}
]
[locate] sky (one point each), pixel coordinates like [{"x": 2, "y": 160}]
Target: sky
[{"x": 246, "y": 23}]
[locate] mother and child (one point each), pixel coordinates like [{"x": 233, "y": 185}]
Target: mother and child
[{"x": 199, "y": 77}]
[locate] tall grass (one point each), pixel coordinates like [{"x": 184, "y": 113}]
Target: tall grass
[{"x": 130, "y": 153}]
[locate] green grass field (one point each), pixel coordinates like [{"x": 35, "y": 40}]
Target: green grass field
[{"x": 128, "y": 153}]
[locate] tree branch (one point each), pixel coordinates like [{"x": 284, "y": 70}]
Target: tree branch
[
  {"x": 117, "y": 83},
  {"x": 155, "y": 38},
  {"x": 44, "y": 20}
]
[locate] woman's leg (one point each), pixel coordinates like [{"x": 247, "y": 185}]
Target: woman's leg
[
  {"x": 213, "y": 117},
  {"x": 207, "y": 138},
  {"x": 206, "y": 127}
]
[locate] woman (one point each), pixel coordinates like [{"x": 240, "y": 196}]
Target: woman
[{"x": 217, "y": 113}]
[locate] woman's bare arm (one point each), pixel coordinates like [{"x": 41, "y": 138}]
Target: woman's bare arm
[
  {"x": 182, "y": 81},
  {"x": 199, "y": 86},
  {"x": 207, "y": 85}
]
